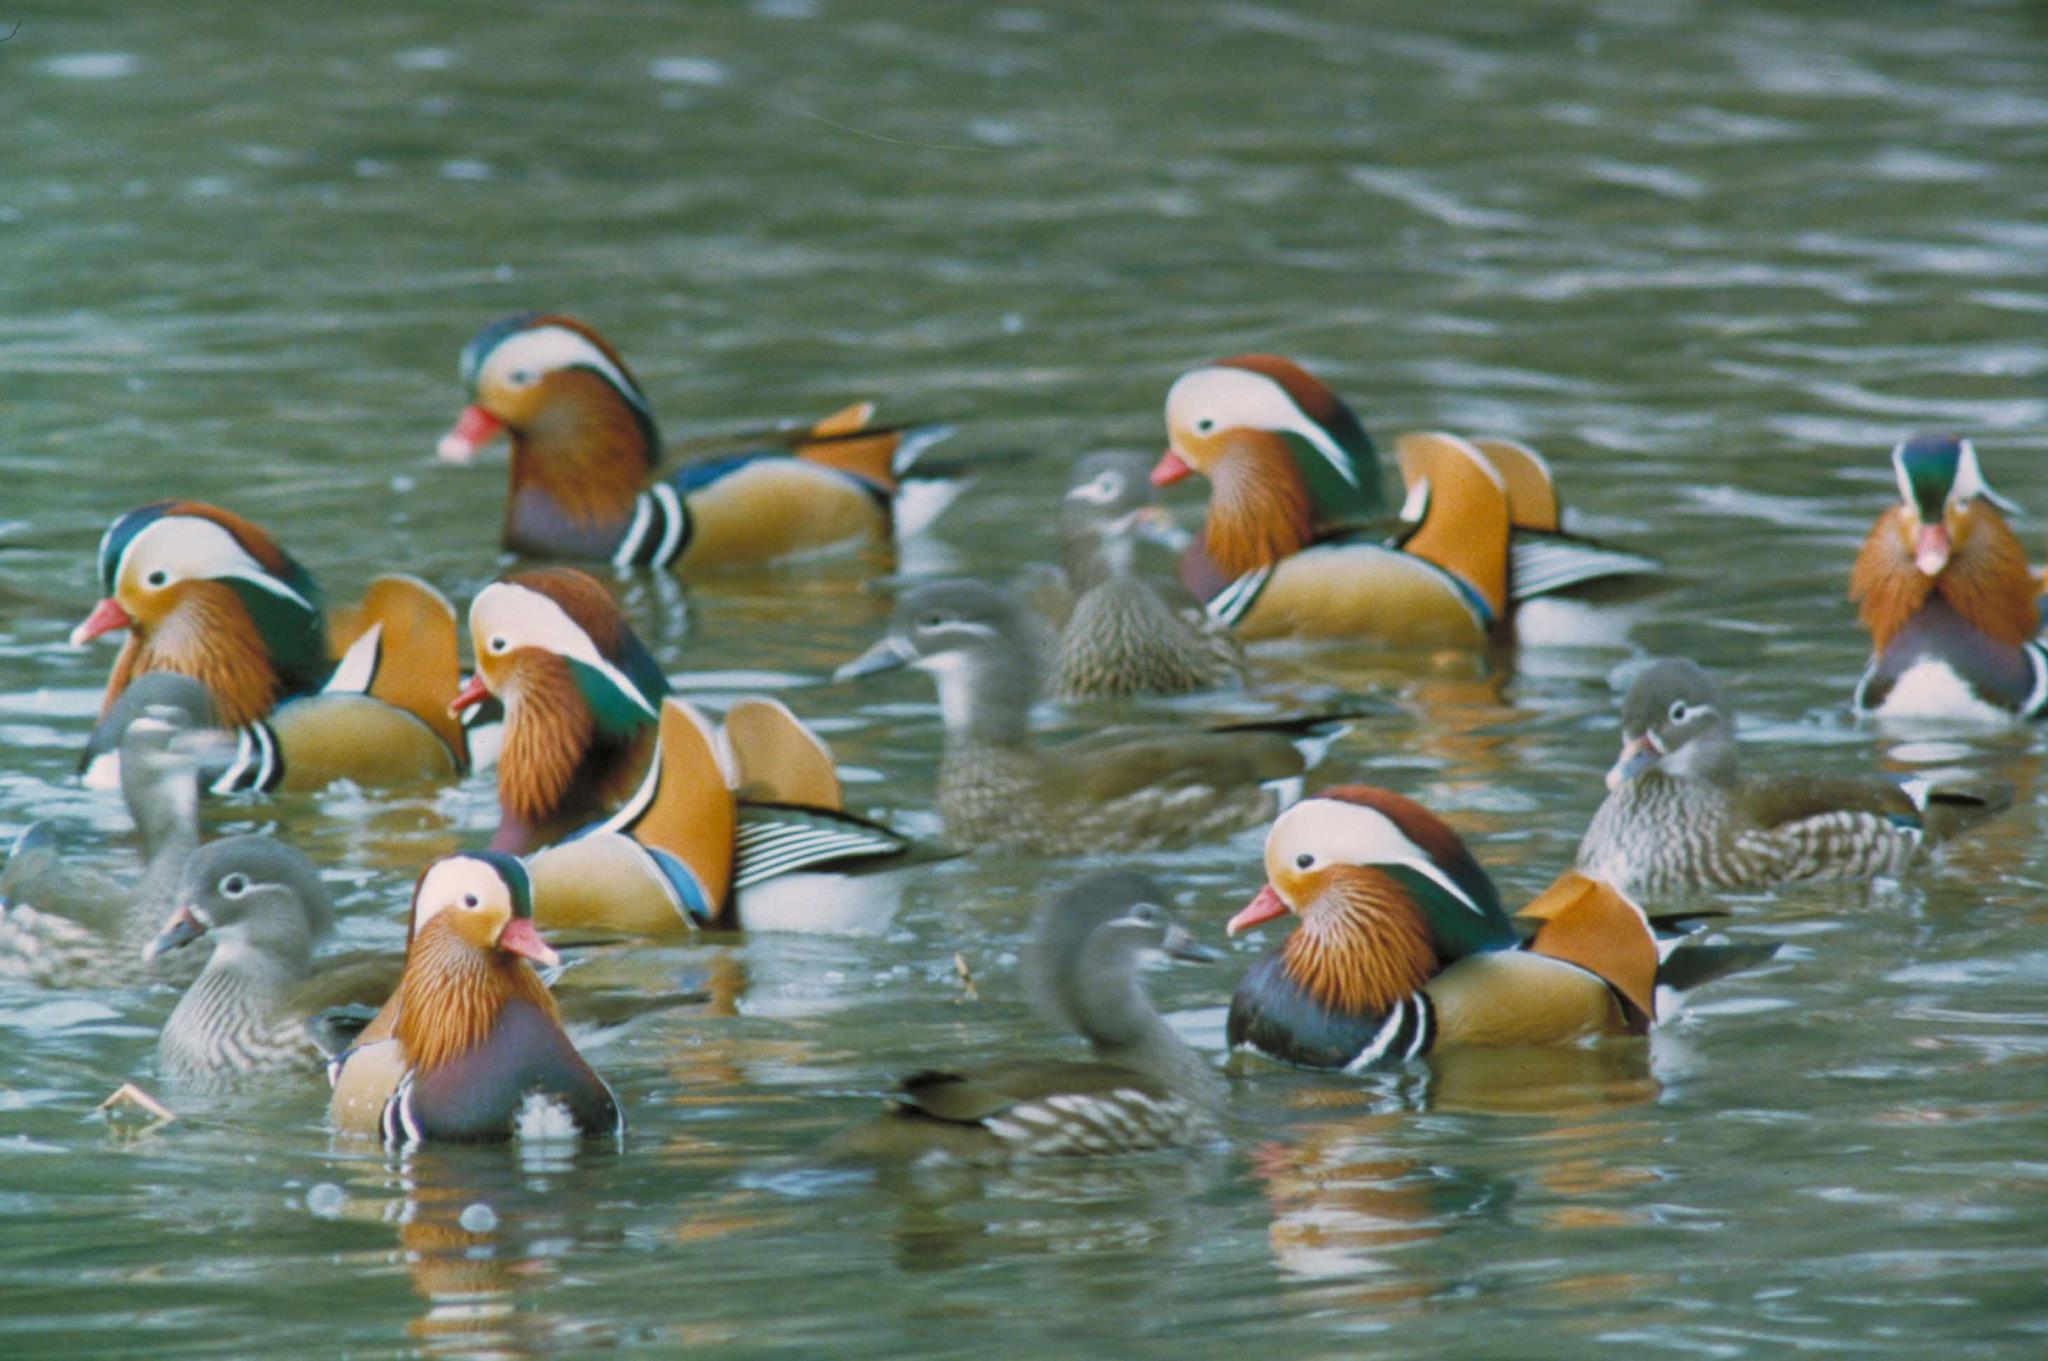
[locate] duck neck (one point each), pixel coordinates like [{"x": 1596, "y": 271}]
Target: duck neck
[
  {"x": 1360, "y": 947},
  {"x": 557, "y": 770},
  {"x": 210, "y": 637},
  {"x": 453, "y": 993},
  {"x": 1986, "y": 581},
  {"x": 587, "y": 455},
  {"x": 1112, "y": 1009},
  {"x": 985, "y": 697},
  {"x": 1259, "y": 508}
]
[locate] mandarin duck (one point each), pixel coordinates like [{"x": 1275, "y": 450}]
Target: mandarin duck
[
  {"x": 204, "y": 593},
  {"x": 585, "y": 450},
  {"x": 1120, "y": 636},
  {"x": 1680, "y": 817},
  {"x": 1142, "y": 1088},
  {"x": 263, "y": 904},
  {"x": 1295, "y": 544},
  {"x": 476, "y": 1051},
  {"x": 1942, "y": 587},
  {"x": 1402, "y": 947},
  {"x": 1120, "y": 790},
  {"x": 642, "y": 817},
  {"x": 64, "y": 924}
]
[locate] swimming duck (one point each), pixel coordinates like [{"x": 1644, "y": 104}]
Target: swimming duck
[
  {"x": 477, "y": 1051},
  {"x": 1142, "y": 1088},
  {"x": 263, "y": 904},
  {"x": 1121, "y": 790},
  {"x": 1680, "y": 817},
  {"x": 585, "y": 449},
  {"x": 1402, "y": 948},
  {"x": 1120, "y": 636},
  {"x": 1294, "y": 544},
  {"x": 204, "y": 593},
  {"x": 64, "y": 924},
  {"x": 641, "y": 816},
  {"x": 1942, "y": 587}
]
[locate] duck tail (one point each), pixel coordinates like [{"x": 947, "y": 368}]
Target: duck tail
[
  {"x": 1694, "y": 964},
  {"x": 1951, "y": 807}
]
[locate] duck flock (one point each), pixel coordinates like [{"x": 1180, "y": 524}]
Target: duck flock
[{"x": 626, "y": 811}]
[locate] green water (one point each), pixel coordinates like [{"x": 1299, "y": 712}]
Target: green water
[{"x": 1714, "y": 259}]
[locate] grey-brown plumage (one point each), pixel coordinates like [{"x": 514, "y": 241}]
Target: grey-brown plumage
[
  {"x": 1121, "y": 637},
  {"x": 266, "y": 909},
  {"x": 1121, "y": 790},
  {"x": 1142, "y": 1088},
  {"x": 1681, "y": 817},
  {"x": 64, "y": 924}
]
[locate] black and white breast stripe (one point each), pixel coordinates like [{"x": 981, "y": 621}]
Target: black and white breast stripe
[
  {"x": 258, "y": 762},
  {"x": 1407, "y": 1033},
  {"x": 1230, "y": 604},
  {"x": 660, "y": 530},
  {"x": 401, "y": 1130},
  {"x": 2037, "y": 697}
]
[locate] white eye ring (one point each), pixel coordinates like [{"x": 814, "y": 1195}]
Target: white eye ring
[
  {"x": 1679, "y": 713},
  {"x": 500, "y": 644},
  {"x": 234, "y": 885}
]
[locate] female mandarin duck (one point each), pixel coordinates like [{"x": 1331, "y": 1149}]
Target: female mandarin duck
[
  {"x": 263, "y": 904},
  {"x": 1401, "y": 947},
  {"x": 1124, "y": 789},
  {"x": 1142, "y": 1088},
  {"x": 650, "y": 820},
  {"x": 476, "y": 1051},
  {"x": 1943, "y": 588},
  {"x": 1681, "y": 817},
  {"x": 1120, "y": 636},
  {"x": 585, "y": 450},
  {"x": 206, "y": 594},
  {"x": 1292, "y": 547}
]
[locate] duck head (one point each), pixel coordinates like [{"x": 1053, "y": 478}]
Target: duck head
[
  {"x": 1284, "y": 456},
  {"x": 582, "y": 431},
  {"x": 577, "y": 685},
  {"x": 253, "y": 894},
  {"x": 1674, "y": 720},
  {"x": 1089, "y": 945},
  {"x": 1108, "y": 506},
  {"x": 472, "y": 949},
  {"x": 1385, "y": 895},
  {"x": 487, "y": 898},
  {"x": 981, "y": 646},
  {"x": 1942, "y": 496},
  {"x": 207, "y": 594}
]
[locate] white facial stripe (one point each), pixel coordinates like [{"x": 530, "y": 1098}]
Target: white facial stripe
[
  {"x": 545, "y": 349},
  {"x": 186, "y": 547},
  {"x": 1334, "y": 831},
  {"x": 525, "y": 618},
  {"x": 448, "y": 881},
  {"x": 1241, "y": 399},
  {"x": 1098, "y": 492}
]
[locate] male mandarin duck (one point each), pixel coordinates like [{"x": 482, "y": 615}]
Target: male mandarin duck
[
  {"x": 1142, "y": 1088},
  {"x": 1681, "y": 817},
  {"x": 204, "y": 593},
  {"x": 585, "y": 450},
  {"x": 62, "y": 923},
  {"x": 1120, "y": 636},
  {"x": 1296, "y": 545},
  {"x": 263, "y": 904},
  {"x": 1943, "y": 588},
  {"x": 640, "y": 815},
  {"x": 1121, "y": 790},
  {"x": 476, "y": 1051},
  {"x": 1402, "y": 948}
]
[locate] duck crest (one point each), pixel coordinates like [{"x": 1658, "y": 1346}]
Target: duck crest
[
  {"x": 1986, "y": 580},
  {"x": 619, "y": 680},
  {"x": 453, "y": 993},
  {"x": 1471, "y": 898},
  {"x": 1362, "y": 946}
]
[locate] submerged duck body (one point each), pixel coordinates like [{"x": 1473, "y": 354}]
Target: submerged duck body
[
  {"x": 1296, "y": 543},
  {"x": 206, "y": 594},
  {"x": 1681, "y": 817},
  {"x": 1401, "y": 947},
  {"x": 585, "y": 450},
  {"x": 1943, "y": 588}
]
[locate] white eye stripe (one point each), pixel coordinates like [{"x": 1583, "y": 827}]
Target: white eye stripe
[
  {"x": 547, "y": 349},
  {"x": 1253, "y": 400},
  {"x": 189, "y": 546},
  {"x": 1364, "y": 835},
  {"x": 1098, "y": 492},
  {"x": 522, "y": 617}
]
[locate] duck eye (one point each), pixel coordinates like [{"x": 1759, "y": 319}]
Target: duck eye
[
  {"x": 158, "y": 578},
  {"x": 1206, "y": 424},
  {"x": 1304, "y": 860},
  {"x": 520, "y": 378},
  {"x": 500, "y": 644},
  {"x": 932, "y": 621},
  {"x": 1679, "y": 713},
  {"x": 469, "y": 900},
  {"x": 1145, "y": 912},
  {"x": 234, "y": 885}
]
